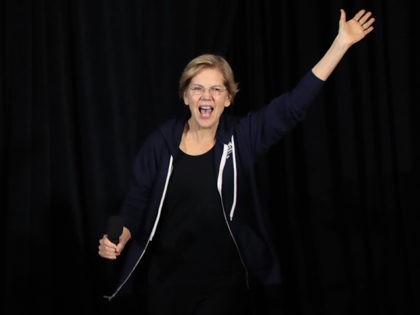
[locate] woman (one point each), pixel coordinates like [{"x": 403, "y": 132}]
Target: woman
[{"x": 192, "y": 210}]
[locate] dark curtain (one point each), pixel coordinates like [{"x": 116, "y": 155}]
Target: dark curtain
[{"x": 83, "y": 82}]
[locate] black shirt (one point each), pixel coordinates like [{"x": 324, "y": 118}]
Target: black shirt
[{"x": 193, "y": 246}]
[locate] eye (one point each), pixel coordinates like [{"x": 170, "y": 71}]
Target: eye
[
  {"x": 197, "y": 89},
  {"x": 217, "y": 89}
]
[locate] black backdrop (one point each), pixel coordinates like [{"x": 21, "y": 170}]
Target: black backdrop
[{"x": 82, "y": 83}]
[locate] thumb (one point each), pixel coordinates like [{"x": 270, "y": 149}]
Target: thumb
[{"x": 342, "y": 16}]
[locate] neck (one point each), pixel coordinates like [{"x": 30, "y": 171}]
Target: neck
[
  {"x": 197, "y": 141},
  {"x": 199, "y": 133}
]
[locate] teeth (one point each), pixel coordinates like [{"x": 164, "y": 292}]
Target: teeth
[{"x": 205, "y": 108}]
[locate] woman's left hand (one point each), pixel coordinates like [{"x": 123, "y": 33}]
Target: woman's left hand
[{"x": 352, "y": 31}]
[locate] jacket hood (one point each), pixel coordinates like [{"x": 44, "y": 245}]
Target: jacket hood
[{"x": 172, "y": 130}]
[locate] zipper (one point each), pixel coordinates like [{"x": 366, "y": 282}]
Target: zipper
[
  {"x": 110, "y": 297},
  {"x": 219, "y": 188},
  {"x": 236, "y": 245},
  {"x": 152, "y": 233}
]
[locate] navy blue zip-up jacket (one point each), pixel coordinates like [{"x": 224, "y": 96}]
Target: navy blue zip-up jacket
[{"x": 240, "y": 141}]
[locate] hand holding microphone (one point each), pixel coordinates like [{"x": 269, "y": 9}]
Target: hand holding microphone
[
  {"x": 115, "y": 229},
  {"x": 112, "y": 243}
]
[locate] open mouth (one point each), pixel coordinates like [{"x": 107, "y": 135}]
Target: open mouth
[{"x": 205, "y": 111}]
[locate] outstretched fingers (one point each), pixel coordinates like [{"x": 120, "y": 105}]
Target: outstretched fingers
[{"x": 365, "y": 19}]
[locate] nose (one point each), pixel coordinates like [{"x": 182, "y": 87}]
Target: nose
[{"x": 206, "y": 94}]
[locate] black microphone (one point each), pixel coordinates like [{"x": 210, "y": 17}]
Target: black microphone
[{"x": 115, "y": 228}]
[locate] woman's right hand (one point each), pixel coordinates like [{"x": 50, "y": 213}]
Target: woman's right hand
[{"x": 109, "y": 250}]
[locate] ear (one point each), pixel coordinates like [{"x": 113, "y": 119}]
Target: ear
[
  {"x": 228, "y": 101},
  {"x": 185, "y": 99}
]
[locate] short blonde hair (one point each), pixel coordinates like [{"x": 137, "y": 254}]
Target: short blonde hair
[{"x": 208, "y": 61}]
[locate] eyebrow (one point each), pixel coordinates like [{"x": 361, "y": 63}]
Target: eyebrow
[{"x": 216, "y": 85}]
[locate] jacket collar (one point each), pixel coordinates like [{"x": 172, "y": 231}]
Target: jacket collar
[{"x": 172, "y": 131}]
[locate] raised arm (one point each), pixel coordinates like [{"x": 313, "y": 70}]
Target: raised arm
[{"x": 349, "y": 33}]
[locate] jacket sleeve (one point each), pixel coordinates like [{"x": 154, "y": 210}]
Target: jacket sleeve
[
  {"x": 270, "y": 123},
  {"x": 143, "y": 174}
]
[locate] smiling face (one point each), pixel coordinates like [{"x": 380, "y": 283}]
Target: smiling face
[{"x": 207, "y": 97}]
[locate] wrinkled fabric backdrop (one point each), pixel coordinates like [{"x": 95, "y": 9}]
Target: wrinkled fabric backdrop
[{"x": 83, "y": 82}]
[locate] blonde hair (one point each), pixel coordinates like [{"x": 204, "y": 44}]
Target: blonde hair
[{"x": 208, "y": 61}]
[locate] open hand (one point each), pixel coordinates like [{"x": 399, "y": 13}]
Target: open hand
[{"x": 355, "y": 29}]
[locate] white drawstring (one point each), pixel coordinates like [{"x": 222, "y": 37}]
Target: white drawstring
[
  {"x": 227, "y": 149},
  {"x": 221, "y": 167},
  {"x": 162, "y": 199},
  {"x": 232, "y": 210}
]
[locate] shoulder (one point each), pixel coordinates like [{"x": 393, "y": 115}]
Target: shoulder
[{"x": 166, "y": 136}]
